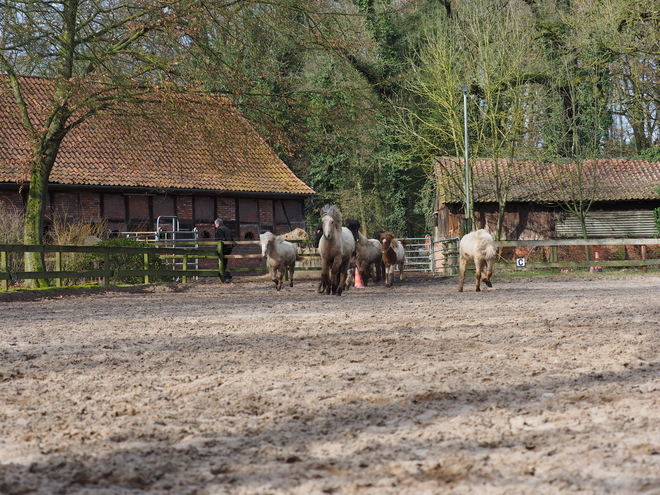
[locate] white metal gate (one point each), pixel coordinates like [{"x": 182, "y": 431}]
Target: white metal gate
[{"x": 439, "y": 258}]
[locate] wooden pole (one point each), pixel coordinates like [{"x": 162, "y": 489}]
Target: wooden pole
[{"x": 644, "y": 267}]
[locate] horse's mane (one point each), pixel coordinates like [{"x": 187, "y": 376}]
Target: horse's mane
[
  {"x": 354, "y": 227},
  {"x": 390, "y": 237},
  {"x": 333, "y": 211}
]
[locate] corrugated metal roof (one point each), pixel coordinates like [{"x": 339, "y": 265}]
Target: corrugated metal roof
[
  {"x": 543, "y": 182},
  {"x": 164, "y": 141},
  {"x": 636, "y": 223}
]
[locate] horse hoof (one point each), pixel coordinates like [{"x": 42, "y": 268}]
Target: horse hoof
[
  {"x": 488, "y": 283},
  {"x": 460, "y": 289},
  {"x": 478, "y": 289}
]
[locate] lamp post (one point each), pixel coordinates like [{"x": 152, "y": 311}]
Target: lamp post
[{"x": 467, "y": 225}]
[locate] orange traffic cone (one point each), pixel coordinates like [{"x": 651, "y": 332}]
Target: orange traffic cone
[{"x": 358, "y": 280}]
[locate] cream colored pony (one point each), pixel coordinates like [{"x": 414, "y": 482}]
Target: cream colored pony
[
  {"x": 477, "y": 246},
  {"x": 281, "y": 256},
  {"x": 335, "y": 248}
]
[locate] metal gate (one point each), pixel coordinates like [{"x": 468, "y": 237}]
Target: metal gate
[
  {"x": 439, "y": 258},
  {"x": 168, "y": 234}
]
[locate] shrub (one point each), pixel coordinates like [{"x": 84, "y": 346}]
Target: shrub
[
  {"x": 124, "y": 261},
  {"x": 79, "y": 232},
  {"x": 651, "y": 154},
  {"x": 11, "y": 232}
]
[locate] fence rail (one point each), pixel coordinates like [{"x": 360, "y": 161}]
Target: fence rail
[
  {"x": 595, "y": 260},
  {"x": 438, "y": 257}
]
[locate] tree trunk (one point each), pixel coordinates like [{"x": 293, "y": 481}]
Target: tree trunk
[{"x": 36, "y": 207}]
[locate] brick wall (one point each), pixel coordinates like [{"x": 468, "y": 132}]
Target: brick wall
[
  {"x": 114, "y": 208},
  {"x": 226, "y": 209},
  {"x": 266, "y": 213},
  {"x": 11, "y": 200},
  {"x": 138, "y": 208},
  {"x": 184, "y": 207},
  {"x": 204, "y": 210},
  {"x": 163, "y": 206},
  {"x": 66, "y": 205},
  {"x": 248, "y": 210},
  {"x": 90, "y": 204}
]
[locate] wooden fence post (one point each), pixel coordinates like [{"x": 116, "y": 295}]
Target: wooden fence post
[
  {"x": 4, "y": 267},
  {"x": 106, "y": 265},
  {"x": 58, "y": 268},
  {"x": 221, "y": 264},
  {"x": 644, "y": 267},
  {"x": 184, "y": 278},
  {"x": 145, "y": 266}
]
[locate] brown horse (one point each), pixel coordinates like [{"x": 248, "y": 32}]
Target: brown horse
[
  {"x": 394, "y": 254},
  {"x": 335, "y": 248}
]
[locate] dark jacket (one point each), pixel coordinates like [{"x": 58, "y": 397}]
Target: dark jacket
[{"x": 223, "y": 234}]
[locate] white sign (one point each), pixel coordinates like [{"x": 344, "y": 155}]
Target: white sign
[{"x": 520, "y": 262}]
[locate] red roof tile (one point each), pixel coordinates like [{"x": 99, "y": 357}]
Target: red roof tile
[
  {"x": 171, "y": 142},
  {"x": 543, "y": 182}
]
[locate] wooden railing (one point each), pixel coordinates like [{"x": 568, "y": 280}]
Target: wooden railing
[
  {"x": 106, "y": 274},
  {"x": 554, "y": 262},
  {"x": 179, "y": 268},
  {"x": 210, "y": 249}
]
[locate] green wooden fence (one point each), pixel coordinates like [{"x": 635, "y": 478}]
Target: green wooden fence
[
  {"x": 147, "y": 273},
  {"x": 181, "y": 270},
  {"x": 554, "y": 262}
]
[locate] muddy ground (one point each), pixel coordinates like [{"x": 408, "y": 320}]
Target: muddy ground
[{"x": 538, "y": 386}]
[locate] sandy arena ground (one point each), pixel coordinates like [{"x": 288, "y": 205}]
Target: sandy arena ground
[{"x": 537, "y": 386}]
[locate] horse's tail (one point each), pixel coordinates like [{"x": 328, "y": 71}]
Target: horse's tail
[{"x": 490, "y": 251}]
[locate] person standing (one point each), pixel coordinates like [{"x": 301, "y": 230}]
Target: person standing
[{"x": 222, "y": 233}]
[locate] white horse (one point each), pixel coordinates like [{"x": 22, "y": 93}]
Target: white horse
[
  {"x": 281, "y": 255},
  {"x": 477, "y": 246},
  {"x": 335, "y": 248}
]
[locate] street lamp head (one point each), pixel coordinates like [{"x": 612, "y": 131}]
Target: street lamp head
[{"x": 464, "y": 89}]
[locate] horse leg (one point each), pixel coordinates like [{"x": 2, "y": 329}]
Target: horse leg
[
  {"x": 336, "y": 276},
  {"x": 401, "y": 271},
  {"x": 380, "y": 270},
  {"x": 489, "y": 272},
  {"x": 325, "y": 284},
  {"x": 278, "y": 278},
  {"x": 478, "y": 267},
  {"x": 388, "y": 275},
  {"x": 291, "y": 270},
  {"x": 461, "y": 277},
  {"x": 343, "y": 274}
]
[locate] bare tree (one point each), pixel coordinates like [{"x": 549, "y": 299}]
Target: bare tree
[
  {"x": 490, "y": 48},
  {"x": 94, "y": 54}
]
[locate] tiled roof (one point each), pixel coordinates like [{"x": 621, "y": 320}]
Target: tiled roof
[
  {"x": 543, "y": 182},
  {"x": 167, "y": 142}
]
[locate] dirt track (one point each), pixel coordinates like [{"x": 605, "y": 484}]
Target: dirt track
[{"x": 542, "y": 386}]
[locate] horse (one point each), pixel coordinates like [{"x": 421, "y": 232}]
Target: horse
[
  {"x": 380, "y": 266},
  {"x": 477, "y": 246},
  {"x": 393, "y": 255},
  {"x": 367, "y": 252},
  {"x": 336, "y": 247},
  {"x": 281, "y": 255}
]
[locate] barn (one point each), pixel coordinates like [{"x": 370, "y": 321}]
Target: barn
[
  {"x": 623, "y": 195},
  {"x": 192, "y": 157}
]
